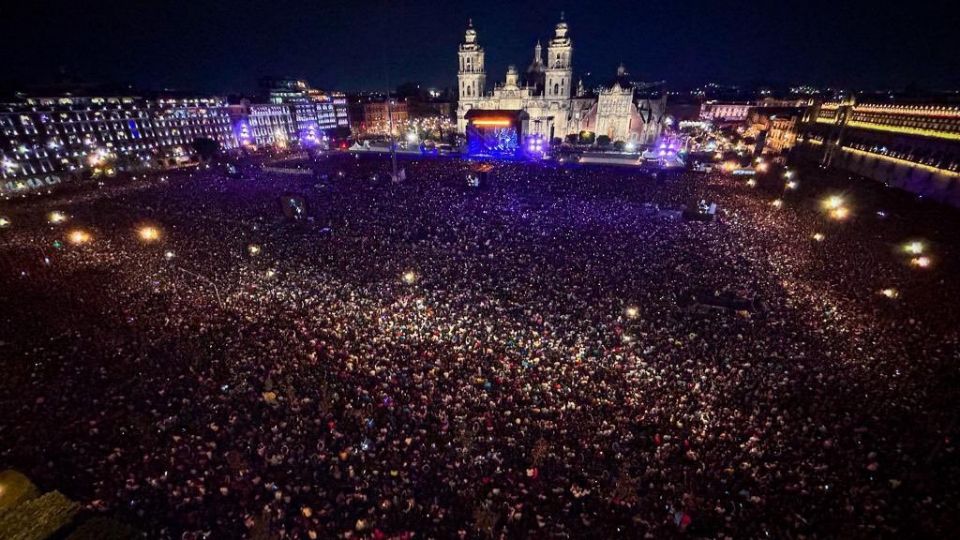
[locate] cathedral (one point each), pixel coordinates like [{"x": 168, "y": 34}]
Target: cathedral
[{"x": 555, "y": 106}]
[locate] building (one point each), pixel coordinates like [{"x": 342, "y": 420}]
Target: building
[
  {"x": 555, "y": 105},
  {"x": 913, "y": 146},
  {"x": 774, "y": 126},
  {"x": 47, "y": 140},
  {"x": 783, "y": 133},
  {"x": 725, "y": 112},
  {"x": 380, "y": 115},
  {"x": 315, "y": 112}
]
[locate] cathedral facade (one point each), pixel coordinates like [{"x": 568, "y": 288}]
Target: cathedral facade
[{"x": 555, "y": 105}]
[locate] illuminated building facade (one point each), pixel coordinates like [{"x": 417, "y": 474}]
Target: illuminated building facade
[
  {"x": 555, "y": 105},
  {"x": 774, "y": 126},
  {"x": 379, "y": 115},
  {"x": 272, "y": 124},
  {"x": 725, "y": 113},
  {"x": 47, "y": 140},
  {"x": 314, "y": 112},
  {"x": 912, "y": 146}
]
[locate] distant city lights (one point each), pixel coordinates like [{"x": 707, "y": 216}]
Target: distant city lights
[
  {"x": 56, "y": 217},
  {"x": 253, "y": 250},
  {"x": 632, "y": 312},
  {"x": 409, "y": 277}
]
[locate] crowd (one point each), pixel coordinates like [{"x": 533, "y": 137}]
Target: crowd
[{"x": 426, "y": 360}]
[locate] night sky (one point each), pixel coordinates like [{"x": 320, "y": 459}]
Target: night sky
[{"x": 221, "y": 46}]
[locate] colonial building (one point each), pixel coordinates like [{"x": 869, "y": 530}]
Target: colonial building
[
  {"x": 547, "y": 95},
  {"x": 914, "y": 146}
]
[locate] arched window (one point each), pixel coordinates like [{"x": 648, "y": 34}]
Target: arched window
[{"x": 556, "y": 88}]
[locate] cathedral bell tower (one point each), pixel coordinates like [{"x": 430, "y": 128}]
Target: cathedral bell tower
[
  {"x": 472, "y": 76},
  {"x": 559, "y": 72}
]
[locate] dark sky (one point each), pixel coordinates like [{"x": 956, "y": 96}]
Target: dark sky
[{"x": 222, "y": 46}]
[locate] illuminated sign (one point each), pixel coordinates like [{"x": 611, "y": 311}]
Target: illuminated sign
[{"x": 502, "y": 122}]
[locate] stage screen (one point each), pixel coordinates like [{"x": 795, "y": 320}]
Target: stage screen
[{"x": 493, "y": 139}]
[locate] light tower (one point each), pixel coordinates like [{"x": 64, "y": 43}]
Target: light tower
[{"x": 471, "y": 77}]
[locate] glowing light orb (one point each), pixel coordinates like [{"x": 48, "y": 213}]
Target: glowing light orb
[
  {"x": 79, "y": 237},
  {"x": 890, "y": 293},
  {"x": 920, "y": 262},
  {"x": 833, "y": 202},
  {"x": 56, "y": 217},
  {"x": 751, "y": 183},
  {"x": 4, "y": 222},
  {"x": 169, "y": 255},
  {"x": 840, "y": 213},
  {"x": 271, "y": 272},
  {"x": 792, "y": 185},
  {"x": 776, "y": 203},
  {"x": 253, "y": 250},
  {"x": 818, "y": 237},
  {"x": 762, "y": 167},
  {"x": 409, "y": 277},
  {"x": 914, "y": 248},
  {"x": 632, "y": 312},
  {"x": 149, "y": 234}
]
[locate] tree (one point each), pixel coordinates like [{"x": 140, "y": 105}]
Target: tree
[
  {"x": 573, "y": 138},
  {"x": 619, "y": 146},
  {"x": 556, "y": 141},
  {"x": 205, "y": 148},
  {"x": 603, "y": 141},
  {"x": 587, "y": 137}
]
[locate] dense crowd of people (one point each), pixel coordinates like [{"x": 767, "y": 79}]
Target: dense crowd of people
[{"x": 561, "y": 355}]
